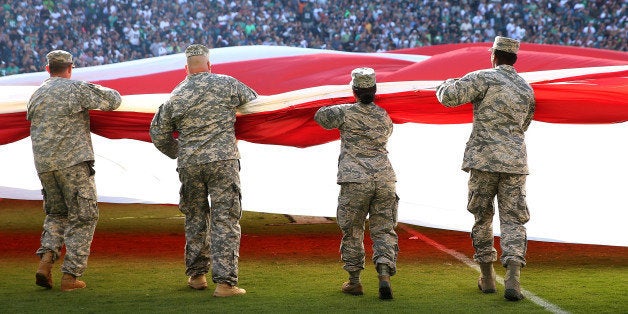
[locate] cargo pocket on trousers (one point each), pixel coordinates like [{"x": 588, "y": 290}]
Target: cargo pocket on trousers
[
  {"x": 46, "y": 204},
  {"x": 344, "y": 213},
  {"x": 237, "y": 203},
  {"x": 396, "y": 210},
  {"x": 183, "y": 201},
  {"x": 522, "y": 213},
  {"x": 237, "y": 190},
  {"x": 87, "y": 205},
  {"x": 470, "y": 202},
  {"x": 479, "y": 203}
]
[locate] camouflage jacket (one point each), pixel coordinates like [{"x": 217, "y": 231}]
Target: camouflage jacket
[
  {"x": 202, "y": 110},
  {"x": 364, "y": 132},
  {"x": 503, "y": 106},
  {"x": 59, "y": 114}
]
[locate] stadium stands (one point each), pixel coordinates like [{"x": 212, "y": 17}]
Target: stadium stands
[{"x": 110, "y": 31}]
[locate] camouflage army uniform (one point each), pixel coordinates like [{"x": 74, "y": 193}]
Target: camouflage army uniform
[
  {"x": 503, "y": 106},
  {"x": 202, "y": 109},
  {"x": 367, "y": 183},
  {"x": 64, "y": 156}
]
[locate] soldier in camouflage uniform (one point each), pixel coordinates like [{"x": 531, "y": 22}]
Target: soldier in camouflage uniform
[
  {"x": 202, "y": 109},
  {"x": 367, "y": 183},
  {"x": 64, "y": 157},
  {"x": 503, "y": 106}
]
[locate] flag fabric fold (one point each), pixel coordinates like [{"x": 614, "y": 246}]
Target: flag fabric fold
[
  {"x": 570, "y": 87},
  {"x": 289, "y": 162}
]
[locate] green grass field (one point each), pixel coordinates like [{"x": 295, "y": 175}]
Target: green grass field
[{"x": 137, "y": 266}]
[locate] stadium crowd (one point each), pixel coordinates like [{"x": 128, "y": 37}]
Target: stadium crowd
[{"x": 109, "y": 31}]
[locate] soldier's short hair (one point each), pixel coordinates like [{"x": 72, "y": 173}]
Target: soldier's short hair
[{"x": 505, "y": 57}]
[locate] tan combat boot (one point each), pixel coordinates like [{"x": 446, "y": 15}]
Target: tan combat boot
[
  {"x": 385, "y": 290},
  {"x": 486, "y": 282},
  {"x": 198, "y": 282},
  {"x": 69, "y": 283},
  {"x": 352, "y": 288},
  {"x": 511, "y": 282},
  {"x": 227, "y": 290},
  {"x": 43, "y": 277}
]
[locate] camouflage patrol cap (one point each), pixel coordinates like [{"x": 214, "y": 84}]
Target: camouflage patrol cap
[
  {"x": 363, "y": 78},
  {"x": 196, "y": 50},
  {"x": 59, "y": 57},
  {"x": 505, "y": 44}
]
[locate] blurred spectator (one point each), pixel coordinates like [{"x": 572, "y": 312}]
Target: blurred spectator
[{"x": 110, "y": 31}]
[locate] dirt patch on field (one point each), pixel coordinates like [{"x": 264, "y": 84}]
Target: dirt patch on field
[
  {"x": 315, "y": 246},
  {"x": 309, "y": 246}
]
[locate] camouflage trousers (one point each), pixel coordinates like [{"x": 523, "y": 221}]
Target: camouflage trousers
[
  {"x": 513, "y": 214},
  {"x": 71, "y": 207},
  {"x": 212, "y": 233},
  {"x": 378, "y": 201}
]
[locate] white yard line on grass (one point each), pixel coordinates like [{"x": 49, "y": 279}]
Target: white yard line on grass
[{"x": 469, "y": 262}]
